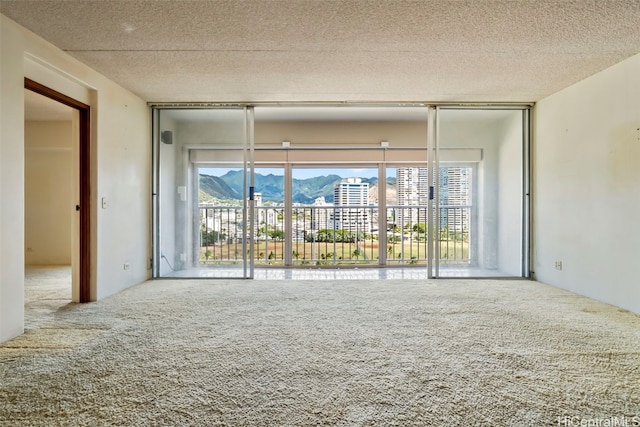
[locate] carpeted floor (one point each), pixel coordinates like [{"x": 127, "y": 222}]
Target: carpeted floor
[{"x": 299, "y": 353}]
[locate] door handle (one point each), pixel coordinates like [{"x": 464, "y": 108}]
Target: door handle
[{"x": 77, "y": 207}]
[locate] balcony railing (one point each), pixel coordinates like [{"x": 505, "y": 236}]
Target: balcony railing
[{"x": 332, "y": 235}]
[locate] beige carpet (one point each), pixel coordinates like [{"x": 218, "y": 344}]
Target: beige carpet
[{"x": 285, "y": 353}]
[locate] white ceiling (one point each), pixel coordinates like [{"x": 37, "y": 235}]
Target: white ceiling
[{"x": 337, "y": 51}]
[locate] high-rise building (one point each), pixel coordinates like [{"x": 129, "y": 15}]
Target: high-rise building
[
  {"x": 320, "y": 216},
  {"x": 413, "y": 192},
  {"x": 412, "y": 185},
  {"x": 351, "y": 191},
  {"x": 348, "y": 193},
  {"x": 455, "y": 192}
]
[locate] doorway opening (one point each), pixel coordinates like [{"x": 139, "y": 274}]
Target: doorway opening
[{"x": 58, "y": 167}]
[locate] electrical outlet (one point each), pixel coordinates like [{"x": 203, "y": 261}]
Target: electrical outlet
[
  {"x": 558, "y": 265},
  {"x": 126, "y": 266}
]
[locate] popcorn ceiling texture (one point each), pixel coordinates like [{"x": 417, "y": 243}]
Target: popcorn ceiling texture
[
  {"x": 283, "y": 50},
  {"x": 295, "y": 353}
]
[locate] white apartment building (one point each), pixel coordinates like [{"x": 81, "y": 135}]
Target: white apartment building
[
  {"x": 412, "y": 186},
  {"x": 348, "y": 193},
  {"x": 320, "y": 215},
  {"x": 455, "y": 198}
]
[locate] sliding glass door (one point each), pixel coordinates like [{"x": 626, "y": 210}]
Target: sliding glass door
[
  {"x": 203, "y": 193},
  {"x": 480, "y": 193},
  {"x": 441, "y": 188}
]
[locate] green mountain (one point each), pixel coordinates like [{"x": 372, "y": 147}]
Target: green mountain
[
  {"x": 217, "y": 187},
  {"x": 307, "y": 190},
  {"x": 229, "y": 187}
]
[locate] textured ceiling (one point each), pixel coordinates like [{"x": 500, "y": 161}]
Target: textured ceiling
[{"x": 310, "y": 51}]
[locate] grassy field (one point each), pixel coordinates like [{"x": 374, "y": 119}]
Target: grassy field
[{"x": 320, "y": 253}]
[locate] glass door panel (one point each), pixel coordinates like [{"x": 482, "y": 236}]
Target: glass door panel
[
  {"x": 203, "y": 179},
  {"x": 456, "y": 216},
  {"x": 270, "y": 245},
  {"x": 221, "y": 241},
  {"x": 479, "y": 215},
  {"x": 407, "y": 215},
  {"x": 335, "y": 216}
]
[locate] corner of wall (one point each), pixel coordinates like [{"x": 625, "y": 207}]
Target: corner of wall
[{"x": 586, "y": 190}]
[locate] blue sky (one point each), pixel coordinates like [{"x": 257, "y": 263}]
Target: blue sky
[{"x": 303, "y": 173}]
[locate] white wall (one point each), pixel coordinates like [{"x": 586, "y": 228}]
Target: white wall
[
  {"x": 11, "y": 182},
  {"x": 341, "y": 133},
  {"x": 48, "y": 192},
  {"x": 124, "y": 179},
  {"x": 510, "y": 182},
  {"x": 120, "y": 135},
  {"x": 586, "y": 186}
]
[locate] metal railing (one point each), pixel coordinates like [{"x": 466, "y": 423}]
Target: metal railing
[
  {"x": 333, "y": 235},
  {"x": 221, "y": 235},
  {"x": 407, "y": 233},
  {"x": 454, "y": 235}
]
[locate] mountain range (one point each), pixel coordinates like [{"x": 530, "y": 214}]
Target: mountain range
[{"x": 305, "y": 191}]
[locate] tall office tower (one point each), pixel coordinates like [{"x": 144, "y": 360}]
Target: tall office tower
[
  {"x": 412, "y": 185},
  {"x": 455, "y": 193},
  {"x": 351, "y": 192}
]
